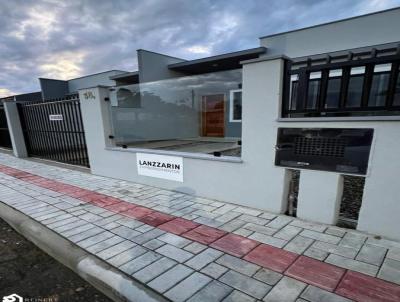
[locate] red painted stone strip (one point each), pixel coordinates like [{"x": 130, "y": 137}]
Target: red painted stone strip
[
  {"x": 271, "y": 257},
  {"x": 363, "y": 288},
  {"x": 235, "y": 245},
  {"x": 353, "y": 285},
  {"x": 204, "y": 234},
  {"x": 178, "y": 226},
  {"x": 315, "y": 272}
]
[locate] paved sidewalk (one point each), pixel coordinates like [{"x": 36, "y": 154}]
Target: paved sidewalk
[{"x": 194, "y": 249}]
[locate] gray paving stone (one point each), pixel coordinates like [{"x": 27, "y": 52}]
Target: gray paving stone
[
  {"x": 79, "y": 229},
  {"x": 315, "y": 294},
  {"x": 155, "y": 269},
  {"x": 175, "y": 253},
  {"x": 389, "y": 244},
  {"x": 335, "y": 231},
  {"x": 237, "y": 296},
  {"x": 336, "y": 249},
  {"x": 170, "y": 278},
  {"x": 268, "y": 276},
  {"x": 390, "y": 271},
  {"x": 249, "y": 211},
  {"x": 394, "y": 254},
  {"x": 268, "y": 239},
  {"x": 228, "y": 217},
  {"x": 353, "y": 240},
  {"x": 125, "y": 232},
  {"x": 129, "y": 222},
  {"x": 63, "y": 222},
  {"x": 153, "y": 244},
  {"x": 57, "y": 218},
  {"x": 174, "y": 240},
  {"x": 259, "y": 228},
  {"x": 320, "y": 236},
  {"x": 144, "y": 228},
  {"x": 354, "y": 265},
  {"x": 47, "y": 215},
  {"x": 90, "y": 217},
  {"x": 195, "y": 247},
  {"x": 86, "y": 234},
  {"x": 214, "y": 223},
  {"x": 243, "y": 232},
  {"x": 201, "y": 260},
  {"x": 214, "y": 270},
  {"x": 98, "y": 247},
  {"x": 288, "y": 232},
  {"x": 115, "y": 249},
  {"x": 372, "y": 254},
  {"x": 309, "y": 225},
  {"x": 238, "y": 265},
  {"x": 188, "y": 287},
  {"x": 154, "y": 233},
  {"x": 232, "y": 225},
  {"x": 298, "y": 244},
  {"x": 316, "y": 253},
  {"x": 287, "y": 290},
  {"x": 252, "y": 219},
  {"x": 127, "y": 256},
  {"x": 95, "y": 239},
  {"x": 279, "y": 222},
  {"x": 140, "y": 262},
  {"x": 215, "y": 291},
  {"x": 245, "y": 284}
]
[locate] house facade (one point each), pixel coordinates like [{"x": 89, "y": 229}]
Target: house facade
[{"x": 312, "y": 107}]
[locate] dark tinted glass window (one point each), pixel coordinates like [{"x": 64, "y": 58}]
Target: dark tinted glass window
[
  {"x": 237, "y": 105},
  {"x": 396, "y": 100},
  {"x": 333, "y": 93},
  {"x": 293, "y": 97},
  {"x": 379, "y": 89},
  {"x": 354, "y": 92},
  {"x": 312, "y": 94}
]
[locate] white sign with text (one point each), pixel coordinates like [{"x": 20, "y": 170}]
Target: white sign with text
[
  {"x": 56, "y": 117},
  {"x": 160, "y": 166}
]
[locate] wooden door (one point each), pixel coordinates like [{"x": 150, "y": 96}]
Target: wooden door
[{"x": 213, "y": 115}]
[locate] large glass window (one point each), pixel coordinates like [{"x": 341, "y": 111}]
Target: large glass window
[
  {"x": 187, "y": 114},
  {"x": 333, "y": 89},
  {"x": 355, "y": 89},
  {"x": 294, "y": 84},
  {"x": 396, "y": 99},
  {"x": 314, "y": 85},
  {"x": 235, "y": 112},
  {"x": 379, "y": 85}
]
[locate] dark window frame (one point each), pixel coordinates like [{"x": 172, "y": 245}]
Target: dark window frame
[{"x": 320, "y": 110}]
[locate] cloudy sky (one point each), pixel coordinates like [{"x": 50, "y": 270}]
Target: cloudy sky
[{"x": 67, "y": 39}]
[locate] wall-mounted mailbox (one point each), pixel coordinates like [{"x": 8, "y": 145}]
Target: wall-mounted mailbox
[{"x": 327, "y": 149}]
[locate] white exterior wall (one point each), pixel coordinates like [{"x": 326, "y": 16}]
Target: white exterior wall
[
  {"x": 368, "y": 30},
  {"x": 256, "y": 181},
  {"x": 245, "y": 182}
]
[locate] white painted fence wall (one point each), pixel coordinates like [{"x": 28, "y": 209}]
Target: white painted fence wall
[{"x": 255, "y": 181}]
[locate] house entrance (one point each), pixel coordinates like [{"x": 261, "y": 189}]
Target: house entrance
[{"x": 213, "y": 115}]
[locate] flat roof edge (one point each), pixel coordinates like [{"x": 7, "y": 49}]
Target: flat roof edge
[
  {"x": 330, "y": 22},
  {"x": 256, "y": 50}
]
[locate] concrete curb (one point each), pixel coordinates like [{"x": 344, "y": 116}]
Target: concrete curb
[{"x": 107, "y": 279}]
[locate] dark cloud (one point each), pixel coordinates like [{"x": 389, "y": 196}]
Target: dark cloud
[{"x": 65, "y": 39}]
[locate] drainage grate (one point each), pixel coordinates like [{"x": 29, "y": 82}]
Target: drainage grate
[{"x": 320, "y": 146}]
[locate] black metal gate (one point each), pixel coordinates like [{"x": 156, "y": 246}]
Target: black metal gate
[
  {"x": 5, "y": 140},
  {"x": 54, "y": 130}
]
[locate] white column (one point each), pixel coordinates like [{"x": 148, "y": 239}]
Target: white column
[
  {"x": 96, "y": 122},
  {"x": 15, "y": 129},
  {"x": 319, "y": 198}
]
